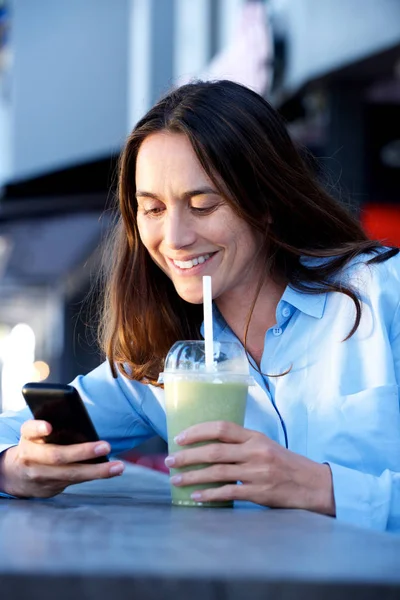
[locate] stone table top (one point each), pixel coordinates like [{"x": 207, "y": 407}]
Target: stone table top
[{"x": 121, "y": 538}]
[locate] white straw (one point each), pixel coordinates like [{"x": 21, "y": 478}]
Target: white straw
[{"x": 208, "y": 324}]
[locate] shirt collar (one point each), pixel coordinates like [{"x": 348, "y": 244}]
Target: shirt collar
[{"x": 310, "y": 304}]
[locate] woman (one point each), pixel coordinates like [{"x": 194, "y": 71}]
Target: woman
[{"x": 211, "y": 184}]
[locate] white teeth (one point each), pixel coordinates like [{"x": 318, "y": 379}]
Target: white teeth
[{"x": 188, "y": 264}]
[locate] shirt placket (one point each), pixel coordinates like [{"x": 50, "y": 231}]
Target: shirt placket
[{"x": 270, "y": 363}]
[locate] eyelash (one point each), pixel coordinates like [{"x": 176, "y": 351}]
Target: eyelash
[
  {"x": 204, "y": 211},
  {"x": 153, "y": 212}
]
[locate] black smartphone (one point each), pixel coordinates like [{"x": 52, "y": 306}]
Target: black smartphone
[{"x": 62, "y": 407}]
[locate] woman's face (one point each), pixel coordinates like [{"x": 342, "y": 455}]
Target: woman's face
[{"x": 187, "y": 226}]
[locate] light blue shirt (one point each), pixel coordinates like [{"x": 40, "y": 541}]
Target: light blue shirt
[{"x": 339, "y": 403}]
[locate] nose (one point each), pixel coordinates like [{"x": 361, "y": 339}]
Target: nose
[{"x": 178, "y": 230}]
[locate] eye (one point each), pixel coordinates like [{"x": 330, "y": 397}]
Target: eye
[
  {"x": 153, "y": 211},
  {"x": 206, "y": 210}
]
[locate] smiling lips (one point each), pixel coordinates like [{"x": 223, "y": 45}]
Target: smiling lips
[{"x": 189, "y": 264}]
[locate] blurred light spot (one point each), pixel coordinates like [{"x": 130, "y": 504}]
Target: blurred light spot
[
  {"x": 390, "y": 154},
  {"x": 41, "y": 370},
  {"x": 18, "y": 355}
]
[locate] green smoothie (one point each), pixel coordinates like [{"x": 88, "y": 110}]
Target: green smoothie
[{"x": 190, "y": 400}]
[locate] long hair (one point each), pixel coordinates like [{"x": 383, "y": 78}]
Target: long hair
[{"x": 243, "y": 146}]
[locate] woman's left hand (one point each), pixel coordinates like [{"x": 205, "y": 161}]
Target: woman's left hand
[{"x": 269, "y": 474}]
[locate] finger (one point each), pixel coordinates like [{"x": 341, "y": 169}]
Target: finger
[
  {"x": 56, "y": 455},
  {"x": 80, "y": 473},
  {"x": 224, "y": 431},
  {"x": 67, "y": 475},
  {"x": 35, "y": 429},
  {"x": 213, "y": 474},
  {"x": 209, "y": 453},
  {"x": 225, "y": 492}
]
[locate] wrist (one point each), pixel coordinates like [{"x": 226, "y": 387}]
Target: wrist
[
  {"x": 326, "y": 498},
  {"x": 7, "y": 467},
  {"x": 318, "y": 489}
]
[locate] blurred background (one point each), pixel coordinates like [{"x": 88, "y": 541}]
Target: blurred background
[{"x": 75, "y": 77}]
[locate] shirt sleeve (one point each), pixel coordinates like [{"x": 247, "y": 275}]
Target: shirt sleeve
[
  {"x": 367, "y": 500},
  {"x": 114, "y": 405},
  {"x": 364, "y": 499},
  {"x": 10, "y": 425}
]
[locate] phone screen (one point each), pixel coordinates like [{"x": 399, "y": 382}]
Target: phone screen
[{"x": 62, "y": 407}]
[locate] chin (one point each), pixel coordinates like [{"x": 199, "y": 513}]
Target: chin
[
  {"x": 194, "y": 296},
  {"x": 192, "y": 299}
]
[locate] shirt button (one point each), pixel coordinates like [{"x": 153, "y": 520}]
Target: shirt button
[
  {"x": 286, "y": 312},
  {"x": 277, "y": 331}
]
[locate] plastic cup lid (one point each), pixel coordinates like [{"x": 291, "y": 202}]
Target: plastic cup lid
[{"x": 186, "y": 360}]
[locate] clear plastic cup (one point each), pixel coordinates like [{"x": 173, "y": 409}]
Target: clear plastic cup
[{"x": 195, "y": 394}]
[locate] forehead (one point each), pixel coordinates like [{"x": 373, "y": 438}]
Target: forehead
[
  {"x": 166, "y": 155},
  {"x": 164, "y": 141}
]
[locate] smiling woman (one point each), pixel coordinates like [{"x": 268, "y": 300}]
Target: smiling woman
[
  {"x": 187, "y": 227},
  {"x": 210, "y": 183}
]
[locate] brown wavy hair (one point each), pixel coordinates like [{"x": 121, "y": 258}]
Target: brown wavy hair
[{"x": 244, "y": 147}]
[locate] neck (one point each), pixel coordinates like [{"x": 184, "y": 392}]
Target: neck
[{"x": 235, "y": 307}]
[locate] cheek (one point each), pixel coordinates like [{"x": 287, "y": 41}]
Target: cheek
[
  {"x": 237, "y": 233},
  {"x": 149, "y": 241},
  {"x": 246, "y": 244},
  {"x": 146, "y": 234}
]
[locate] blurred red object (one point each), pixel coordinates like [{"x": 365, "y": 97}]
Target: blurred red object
[
  {"x": 150, "y": 461},
  {"x": 382, "y": 222}
]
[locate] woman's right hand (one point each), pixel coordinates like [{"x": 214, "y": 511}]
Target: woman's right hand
[{"x": 40, "y": 470}]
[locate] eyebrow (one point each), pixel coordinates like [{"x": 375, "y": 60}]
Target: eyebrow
[{"x": 185, "y": 196}]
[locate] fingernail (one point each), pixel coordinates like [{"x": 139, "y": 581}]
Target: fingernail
[
  {"x": 102, "y": 449},
  {"x": 178, "y": 439},
  {"x": 196, "y": 496},
  {"x": 169, "y": 461},
  {"x": 43, "y": 428},
  {"x": 117, "y": 469},
  {"x": 175, "y": 479}
]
